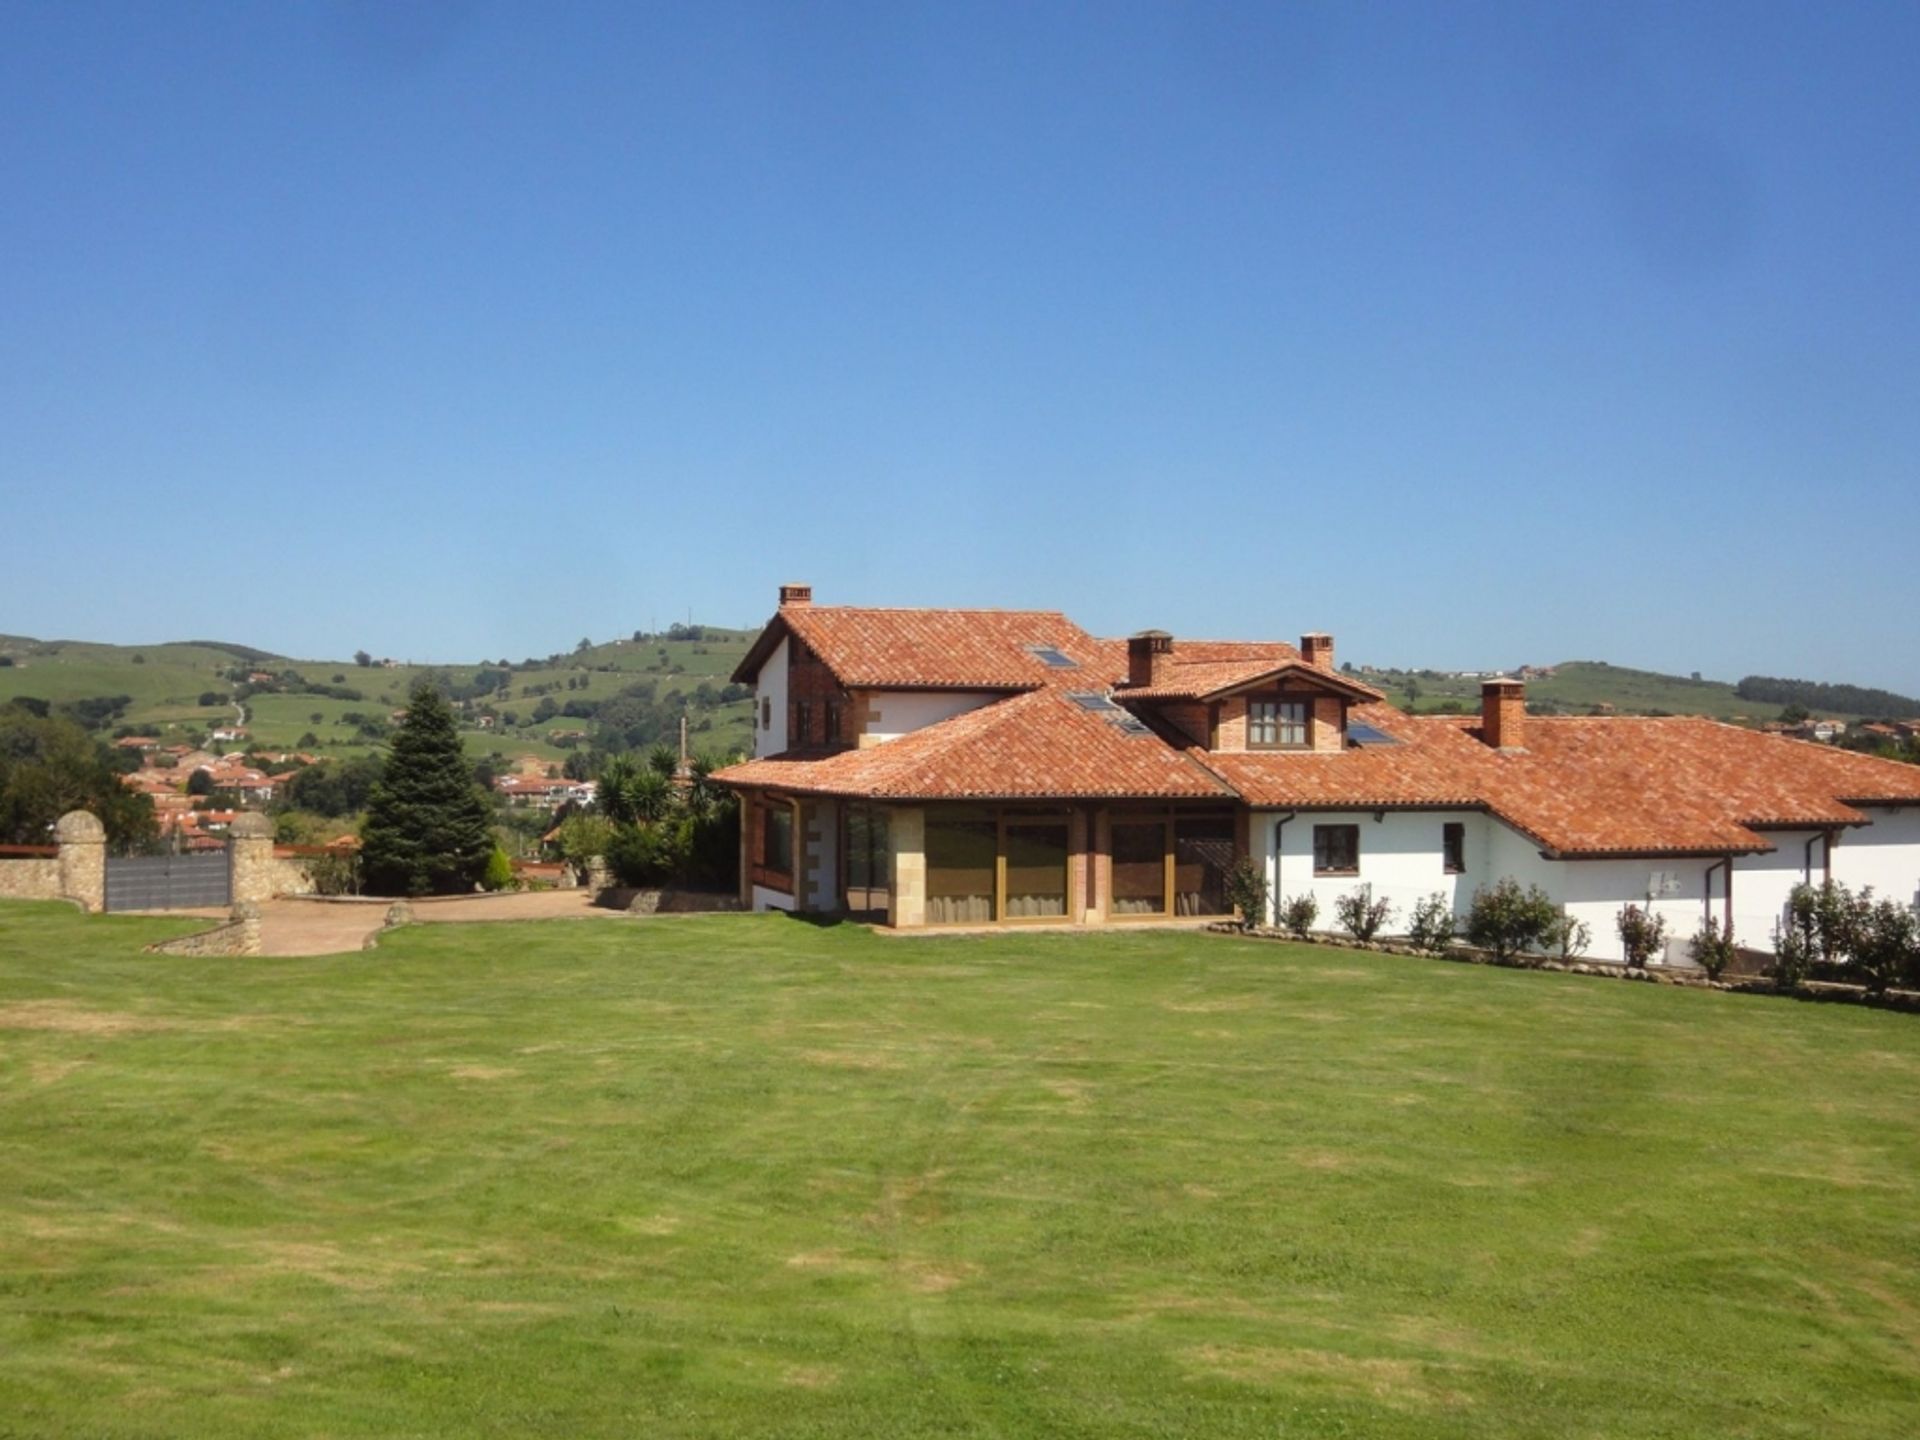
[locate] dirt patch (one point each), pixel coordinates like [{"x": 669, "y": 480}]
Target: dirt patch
[
  {"x": 67, "y": 1018},
  {"x": 51, "y": 1072},
  {"x": 1392, "y": 1382},
  {"x": 482, "y": 1072},
  {"x": 810, "y": 1377},
  {"x": 1225, "y": 1004},
  {"x": 851, "y": 1059},
  {"x": 1321, "y": 1160}
]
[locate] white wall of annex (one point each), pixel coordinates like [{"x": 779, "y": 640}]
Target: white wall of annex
[
  {"x": 770, "y": 686},
  {"x": 900, "y": 712},
  {"x": 1400, "y": 857},
  {"x": 1885, "y": 854}
]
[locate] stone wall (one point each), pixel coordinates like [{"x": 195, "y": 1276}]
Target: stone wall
[
  {"x": 239, "y": 936},
  {"x": 23, "y": 878}
]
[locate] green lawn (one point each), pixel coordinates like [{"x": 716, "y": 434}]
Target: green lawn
[{"x": 742, "y": 1176}]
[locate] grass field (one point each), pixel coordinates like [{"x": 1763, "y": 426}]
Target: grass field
[
  {"x": 1578, "y": 685},
  {"x": 744, "y": 1176}
]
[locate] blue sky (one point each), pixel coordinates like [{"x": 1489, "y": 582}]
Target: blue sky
[{"x": 1475, "y": 334}]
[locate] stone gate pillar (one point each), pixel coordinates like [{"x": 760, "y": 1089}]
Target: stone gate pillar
[
  {"x": 250, "y": 859},
  {"x": 83, "y": 859}
]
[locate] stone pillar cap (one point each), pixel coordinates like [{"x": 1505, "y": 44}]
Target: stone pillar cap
[
  {"x": 251, "y": 826},
  {"x": 79, "y": 827}
]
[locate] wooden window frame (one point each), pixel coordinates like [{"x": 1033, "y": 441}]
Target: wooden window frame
[
  {"x": 1279, "y": 703},
  {"x": 1453, "y": 848},
  {"x": 832, "y": 721},
  {"x": 1330, "y": 871}
]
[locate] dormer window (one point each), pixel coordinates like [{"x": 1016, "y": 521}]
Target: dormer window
[{"x": 1277, "y": 725}]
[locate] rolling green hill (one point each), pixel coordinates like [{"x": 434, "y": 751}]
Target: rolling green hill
[
  {"x": 184, "y": 690},
  {"x": 1581, "y": 687}
]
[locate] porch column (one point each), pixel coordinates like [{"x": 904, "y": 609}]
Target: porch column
[{"x": 907, "y": 900}]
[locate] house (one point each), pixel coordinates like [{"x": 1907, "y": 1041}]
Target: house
[
  {"x": 229, "y": 733},
  {"x": 539, "y": 792},
  {"x": 141, "y": 743},
  {"x": 971, "y": 767}
]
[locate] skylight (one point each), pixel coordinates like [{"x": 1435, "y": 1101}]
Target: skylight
[
  {"x": 1115, "y": 715},
  {"x": 1362, "y": 733},
  {"x": 1052, "y": 657}
]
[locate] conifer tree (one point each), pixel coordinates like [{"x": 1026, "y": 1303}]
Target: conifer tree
[{"x": 428, "y": 827}]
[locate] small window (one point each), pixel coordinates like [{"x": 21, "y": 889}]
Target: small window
[
  {"x": 1453, "y": 847},
  {"x": 1336, "y": 849},
  {"x": 832, "y": 736},
  {"x": 776, "y": 849},
  {"x": 802, "y": 724},
  {"x": 766, "y": 713},
  {"x": 1277, "y": 725}
]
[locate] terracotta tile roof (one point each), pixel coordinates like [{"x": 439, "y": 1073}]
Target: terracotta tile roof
[
  {"x": 941, "y": 649},
  {"x": 1590, "y": 786},
  {"x": 1038, "y": 745},
  {"x": 1196, "y": 679}
]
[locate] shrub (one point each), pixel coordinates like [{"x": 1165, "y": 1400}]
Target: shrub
[
  {"x": 1247, "y": 891},
  {"x": 1568, "y": 938},
  {"x": 1712, "y": 947},
  {"x": 1509, "y": 920},
  {"x": 1361, "y": 916},
  {"x": 1642, "y": 933},
  {"x": 1431, "y": 925},
  {"x": 584, "y": 836},
  {"x": 335, "y": 873},
  {"x": 1793, "y": 952},
  {"x": 1298, "y": 915},
  {"x": 499, "y": 872},
  {"x": 648, "y": 854},
  {"x": 1886, "y": 943}
]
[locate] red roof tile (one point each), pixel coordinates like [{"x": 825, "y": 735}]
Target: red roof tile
[
  {"x": 941, "y": 649},
  {"x": 1035, "y": 746}
]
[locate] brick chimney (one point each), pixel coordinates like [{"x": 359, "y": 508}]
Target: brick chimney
[
  {"x": 1316, "y": 648},
  {"x": 792, "y": 596},
  {"x": 1503, "y": 714},
  {"x": 1148, "y": 655}
]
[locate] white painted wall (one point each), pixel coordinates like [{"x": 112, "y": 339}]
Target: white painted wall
[
  {"x": 765, "y": 899},
  {"x": 900, "y": 712},
  {"x": 1400, "y": 857},
  {"x": 771, "y": 685},
  {"x": 1885, "y": 854}
]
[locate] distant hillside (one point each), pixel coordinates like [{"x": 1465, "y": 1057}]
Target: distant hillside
[
  {"x": 1584, "y": 687},
  {"x": 184, "y": 691}
]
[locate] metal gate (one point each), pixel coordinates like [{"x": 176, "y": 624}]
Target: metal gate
[{"x": 191, "y": 881}]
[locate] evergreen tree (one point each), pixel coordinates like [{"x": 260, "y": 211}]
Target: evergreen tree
[{"x": 428, "y": 827}]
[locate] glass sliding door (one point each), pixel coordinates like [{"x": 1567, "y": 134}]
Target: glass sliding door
[
  {"x": 1139, "y": 867},
  {"x": 869, "y": 861},
  {"x": 962, "y": 865},
  {"x": 1202, "y": 856},
  {"x": 1036, "y": 856}
]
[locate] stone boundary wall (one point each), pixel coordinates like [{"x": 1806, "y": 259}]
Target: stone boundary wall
[
  {"x": 30, "y": 878},
  {"x": 640, "y": 900},
  {"x": 239, "y": 936}
]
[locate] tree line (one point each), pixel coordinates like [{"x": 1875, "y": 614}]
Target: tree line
[{"x": 1815, "y": 695}]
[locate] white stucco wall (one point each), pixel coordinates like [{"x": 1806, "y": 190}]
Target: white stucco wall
[
  {"x": 765, "y": 899},
  {"x": 900, "y": 712},
  {"x": 1885, "y": 854},
  {"x": 771, "y": 685},
  {"x": 1400, "y": 857}
]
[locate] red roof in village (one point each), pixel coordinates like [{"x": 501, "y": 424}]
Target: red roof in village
[
  {"x": 1587, "y": 786},
  {"x": 1184, "y": 678}
]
